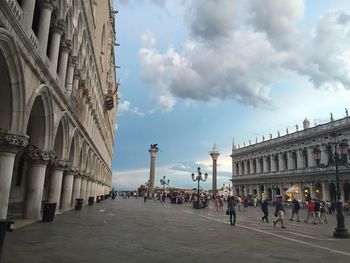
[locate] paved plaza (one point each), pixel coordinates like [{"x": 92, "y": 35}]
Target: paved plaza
[{"x": 129, "y": 230}]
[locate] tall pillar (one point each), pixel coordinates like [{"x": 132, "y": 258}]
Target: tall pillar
[
  {"x": 88, "y": 190},
  {"x": 214, "y": 155},
  {"x": 300, "y": 159},
  {"x": 38, "y": 161},
  {"x": 273, "y": 163},
  {"x": 68, "y": 84},
  {"x": 310, "y": 158},
  {"x": 67, "y": 189},
  {"x": 83, "y": 188},
  {"x": 240, "y": 168},
  {"x": 259, "y": 168},
  {"x": 258, "y": 193},
  {"x": 65, "y": 49},
  {"x": 281, "y": 163},
  {"x": 54, "y": 49},
  {"x": 9, "y": 146},
  {"x": 28, "y": 7},
  {"x": 76, "y": 188},
  {"x": 153, "y": 151},
  {"x": 234, "y": 169},
  {"x": 265, "y": 166},
  {"x": 56, "y": 177},
  {"x": 251, "y": 166},
  {"x": 47, "y": 6},
  {"x": 290, "y": 160}
]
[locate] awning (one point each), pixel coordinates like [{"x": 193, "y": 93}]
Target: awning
[{"x": 294, "y": 189}]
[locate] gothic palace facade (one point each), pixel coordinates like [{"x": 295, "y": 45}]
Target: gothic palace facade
[
  {"x": 274, "y": 166},
  {"x": 57, "y": 103}
]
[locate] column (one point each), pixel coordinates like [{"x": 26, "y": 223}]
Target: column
[
  {"x": 301, "y": 192},
  {"x": 47, "y": 7},
  {"x": 273, "y": 163},
  {"x": 300, "y": 159},
  {"x": 68, "y": 83},
  {"x": 312, "y": 192},
  {"x": 83, "y": 188},
  {"x": 67, "y": 189},
  {"x": 251, "y": 164},
  {"x": 281, "y": 162},
  {"x": 9, "y": 146},
  {"x": 28, "y": 7},
  {"x": 214, "y": 155},
  {"x": 54, "y": 49},
  {"x": 56, "y": 177},
  {"x": 265, "y": 166},
  {"x": 38, "y": 161},
  {"x": 324, "y": 154},
  {"x": 310, "y": 157},
  {"x": 290, "y": 160},
  {"x": 245, "y": 165},
  {"x": 325, "y": 191},
  {"x": 234, "y": 169},
  {"x": 88, "y": 190},
  {"x": 240, "y": 168},
  {"x": 259, "y": 168},
  {"x": 76, "y": 188},
  {"x": 258, "y": 193}
]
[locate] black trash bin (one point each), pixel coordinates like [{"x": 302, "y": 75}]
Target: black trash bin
[
  {"x": 49, "y": 212},
  {"x": 97, "y": 199},
  {"x": 91, "y": 200},
  {"x": 78, "y": 203}
]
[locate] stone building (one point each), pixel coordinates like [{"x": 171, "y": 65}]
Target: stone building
[
  {"x": 58, "y": 99},
  {"x": 287, "y": 164}
]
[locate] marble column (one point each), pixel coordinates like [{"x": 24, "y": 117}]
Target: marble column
[
  {"x": 67, "y": 188},
  {"x": 47, "y": 6},
  {"x": 300, "y": 159},
  {"x": 258, "y": 193},
  {"x": 301, "y": 192},
  {"x": 325, "y": 191},
  {"x": 265, "y": 166},
  {"x": 153, "y": 152},
  {"x": 38, "y": 161},
  {"x": 214, "y": 155},
  {"x": 28, "y": 7},
  {"x": 10, "y": 144},
  {"x": 65, "y": 49},
  {"x": 259, "y": 168},
  {"x": 240, "y": 169},
  {"x": 273, "y": 163},
  {"x": 56, "y": 177},
  {"x": 72, "y": 61},
  {"x": 76, "y": 188},
  {"x": 57, "y": 29},
  {"x": 245, "y": 167},
  {"x": 310, "y": 157},
  {"x": 83, "y": 188},
  {"x": 234, "y": 168}
]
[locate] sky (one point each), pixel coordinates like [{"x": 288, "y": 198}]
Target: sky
[{"x": 196, "y": 73}]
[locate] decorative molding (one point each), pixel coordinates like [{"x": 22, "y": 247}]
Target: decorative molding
[
  {"x": 37, "y": 155},
  {"x": 12, "y": 142}
]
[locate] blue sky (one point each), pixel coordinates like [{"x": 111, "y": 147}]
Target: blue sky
[{"x": 194, "y": 73}]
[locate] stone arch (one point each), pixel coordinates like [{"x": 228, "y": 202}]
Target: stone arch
[
  {"x": 40, "y": 121},
  {"x": 12, "y": 86},
  {"x": 73, "y": 148},
  {"x": 61, "y": 137}
]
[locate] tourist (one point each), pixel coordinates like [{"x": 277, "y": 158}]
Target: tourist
[
  {"x": 279, "y": 212},
  {"x": 232, "y": 211},
  {"x": 265, "y": 210},
  {"x": 317, "y": 212},
  {"x": 324, "y": 212},
  {"x": 245, "y": 203},
  {"x": 310, "y": 206},
  {"x": 295, "y": 209},
  {"x": 145, "y": 197}
]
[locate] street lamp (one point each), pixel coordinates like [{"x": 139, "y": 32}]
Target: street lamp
[
  {"x": 199, "y": 178},
  {"x": 339, "y": 147},
  {"x": 164, "y": 182}
]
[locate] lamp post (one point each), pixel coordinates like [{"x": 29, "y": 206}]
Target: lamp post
[
  {"x": 336, "y": 160},
  {"x": 199, "y": 178},
  {"x": 164, "y": 182}
]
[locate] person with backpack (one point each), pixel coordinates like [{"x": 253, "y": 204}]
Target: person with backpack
[{"x": 295, "y": 209}]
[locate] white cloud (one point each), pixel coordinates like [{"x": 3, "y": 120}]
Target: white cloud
[
  {"x": 125, "y": 106},
  {"x": 148, "y": 39},
  {"x": 228, "y": 57}
]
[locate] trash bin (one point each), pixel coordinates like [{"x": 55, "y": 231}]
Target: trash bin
[
  {"x": 49, "y": 212},
  {"x": 5, "y": 226},
  {"x": 91, "y": 200},
  {"x": 78, "y": 203},
  {"x": 97, "y": 199}
]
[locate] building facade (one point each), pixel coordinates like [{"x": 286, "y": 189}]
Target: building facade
[
  {"x": 287, "y": 166},
  {"x": 58, "y": 103}
]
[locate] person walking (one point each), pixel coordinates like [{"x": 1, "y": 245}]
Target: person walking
[
  {"x": 317, "y": 212},
  {"x": 310, "y": 206},
  {"x": 295, "y": 209},
  {"x": 265, "y": 210},
  {"x": 145, "y": 197},
  {"x": 231, "y": 208},
  {"x": 279, "y": 212}
]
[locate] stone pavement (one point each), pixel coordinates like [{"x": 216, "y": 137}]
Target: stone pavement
[{"x": 128, "y": 230}]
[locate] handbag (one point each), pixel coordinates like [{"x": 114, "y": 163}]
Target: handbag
[{"x": 227, "y": 212}]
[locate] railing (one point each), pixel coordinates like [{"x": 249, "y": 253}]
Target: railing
[{"x": 16, "y": 9}]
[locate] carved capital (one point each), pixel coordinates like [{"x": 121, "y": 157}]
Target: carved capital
[
  {"x": 58, "y": 26},
  {"x": 66, "y": 45},
  {"x": 73, "y": 170},
  {"x": 72, "y": 61},
  {"x": 77, "y": 73},
  {"x": 60, "y": 164},
  {"x": 37, "y": 155},
  {"x": 82, "y": 84},
  {"x": 85, "y": 92},
  {"x": 12, "y": 142},
  {"x": 49, "y": 4}
]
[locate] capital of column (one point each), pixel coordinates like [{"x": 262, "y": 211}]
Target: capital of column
[
  {"x": 72, "y": 170},
  {"x": 153, "y": 152},
  {"x": 77, "y": 73},
  {"x": 58, "y": 26},
  {"x": 12, "y": 142},
  {"x": 48, "y": 4},
  {"x": 66, "y": 45},
  {"x": 37, "y": 155},
  {"x": 214, "y": 155},
  {"x": 86, "y": 92},
  {"x": 60, "y": 164},
  {"x": 72, "y": 61},
  {"x": 82, "y": 84}
]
